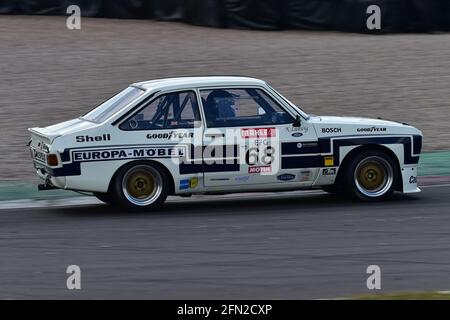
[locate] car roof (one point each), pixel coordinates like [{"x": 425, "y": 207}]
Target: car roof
[{"x": 204, "y": 81}]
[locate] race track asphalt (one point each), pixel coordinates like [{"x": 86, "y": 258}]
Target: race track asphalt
[{"x": 279, "y": 246}]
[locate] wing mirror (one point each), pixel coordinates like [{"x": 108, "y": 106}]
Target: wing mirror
[{"x": 297, "y": 122}]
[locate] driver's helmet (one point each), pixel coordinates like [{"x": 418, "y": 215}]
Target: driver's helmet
[{"x": 224, "y": 103}]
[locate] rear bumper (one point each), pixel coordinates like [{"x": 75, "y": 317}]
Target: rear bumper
[{"x": 49, "y": 181}]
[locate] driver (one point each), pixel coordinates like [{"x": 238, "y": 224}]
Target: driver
[{"x": 224, "y": 103}]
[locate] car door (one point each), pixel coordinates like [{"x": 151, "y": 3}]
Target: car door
[
  {"x": 170, "y": 119},
  {"x": 252, "y": 139}
]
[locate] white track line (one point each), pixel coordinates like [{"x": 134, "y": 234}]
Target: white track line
[
  {"x": 436, "y": 185},
  {"x": 80, "y": 201}
]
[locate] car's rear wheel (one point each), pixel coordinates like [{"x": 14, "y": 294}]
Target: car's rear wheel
[
  {"x": 371, "y": 175},
  {"x": 141, "y": 186}
]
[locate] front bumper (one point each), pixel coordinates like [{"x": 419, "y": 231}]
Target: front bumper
[{"x": 409, "y": 178}]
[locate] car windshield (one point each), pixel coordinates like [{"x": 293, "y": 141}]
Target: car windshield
[
  {"x": 113, "y": 105},
  {"x": 303, "y": 113}
]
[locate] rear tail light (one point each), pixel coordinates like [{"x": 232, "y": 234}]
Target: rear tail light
[{"x": 52, "y": 159}]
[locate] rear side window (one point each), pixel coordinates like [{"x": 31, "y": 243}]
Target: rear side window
[
  {"x": 113, "y": 105},
  {"x": 168, "y": 111}
]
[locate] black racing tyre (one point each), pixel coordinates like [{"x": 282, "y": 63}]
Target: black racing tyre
[
  {"x": 333, "y": 189},
  {"x": 141, "y": 186},
  {"x": 105, "y": 197},
  {"x": 371, "y": 175}
]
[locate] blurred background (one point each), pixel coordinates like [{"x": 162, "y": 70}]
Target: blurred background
[{"x": 319, "y": 53}]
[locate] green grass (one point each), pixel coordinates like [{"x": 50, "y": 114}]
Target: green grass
[
  {"x": 434, "y": 163},
  {"x": 27, "y": 190},
  {"x": 405, "y": 296}
]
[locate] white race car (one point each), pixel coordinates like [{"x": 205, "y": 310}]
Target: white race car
[{"x": 190, "y": 135}]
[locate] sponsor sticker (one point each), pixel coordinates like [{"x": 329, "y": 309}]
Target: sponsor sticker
[
  {"x": 329, "y": 172},
  {"x": 248, "y": 133},
  {"x": 193, "y": 183},
  {"x": 261, "y": 142},
  {"x": 297, "y": 129},
  {"x": 184, "y": 184},
  {"x": 42, "y": 146},
  {"x": 172, "y": 135},
  {"x": 39, "y": 156},
  {"x": 242, "y": 178},
  {"x": 260, "y": 169},
  {"x": 331, "y": 130},
  {"x": 104, "y": 137},
  {"x": 412, "y": 179},
  {"x": 371, "y": 129},
  {"x": 305, "y": 175},
  {"x": 286, "y": 177},
  {"x": 329, "y": 161},
  {"x": 188, "y": 183},
  {"x": 129, "y": 153}
]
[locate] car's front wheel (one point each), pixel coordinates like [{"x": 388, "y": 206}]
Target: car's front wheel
[
  {"x": 141, "y": 186},
  {"x": 371, "y": 175}
]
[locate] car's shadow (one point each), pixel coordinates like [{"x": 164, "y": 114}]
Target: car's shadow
[{"x": 214, "y": 205}]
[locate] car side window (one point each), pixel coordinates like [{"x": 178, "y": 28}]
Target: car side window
[
  {"x": 168, "y": 111},
  {"x": 241, "y": 107}
]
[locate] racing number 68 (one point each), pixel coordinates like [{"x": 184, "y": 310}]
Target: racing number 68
[{"x": 256, "y": 157}]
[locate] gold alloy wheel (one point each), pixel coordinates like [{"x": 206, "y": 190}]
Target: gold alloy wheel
[
  {"x": 142, "y": 185},
  {"x": 374, "y": 176},
  {"x": 371, "y": 175}
]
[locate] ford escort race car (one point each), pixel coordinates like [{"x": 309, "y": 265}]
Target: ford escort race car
[{"x": 190, "y": 135}]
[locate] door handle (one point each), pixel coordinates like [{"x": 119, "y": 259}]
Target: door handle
[{"x": 214, "y": 135}]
